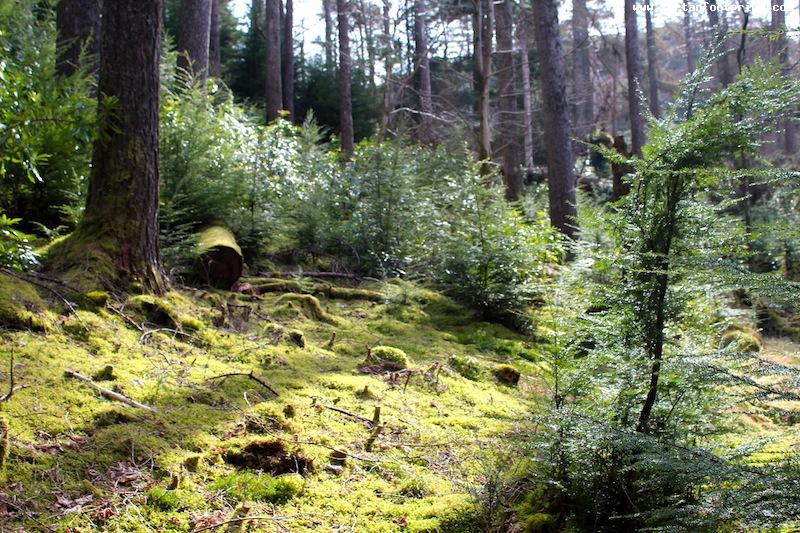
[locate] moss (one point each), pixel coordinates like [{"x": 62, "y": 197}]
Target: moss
[
  {"x": 466, "y": 366},
  {"x": 21, "y": 307},
  {"x": 507, "y": 375},
  {"x": 387, "y": 357},
  {"x": 742, "y": 338},
  {"x": 83, "y": 260},
  {"x": 540, "y": 523},
  {"x": 310, "y": 306},
  {"x": 281, "y": 333},
  {"x": 105, "y": 374},
  {"x": 190, "y": 323},
  {"x": 154, "y": 310},
  {"x": 248, "y": 486},
  {"x": 344, "y": 293},
  {"x": 93, "y": 300},
  {"x": 278, "y": 286}
]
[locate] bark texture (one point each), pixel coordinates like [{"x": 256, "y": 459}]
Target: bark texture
[
  {"x": 214, "y": 50},
  {"x": 423, "y": 77},
  {"x": 288, "y": 60},
  {"x": 345, "y": 99},
  {"x": 583, "y": 93},
  {"x": 194, "y": 37},
  {"x": 506, "y": 88},
  {"x": 122, "y": 202},
  {"x": 274, "y": 90},
  {"x": 560, "y": 176},
  {"x": 527, "y": 103},
  {"x": 327, "y": 11},
  {"x": 483, "y": 26},
  {"x": 634, "y": 71},
  {"x": 78, "y": 26},
  {"x": 687, "y": 35},
  {"x": 652, "y": 75}
]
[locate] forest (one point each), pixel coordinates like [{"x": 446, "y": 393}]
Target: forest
[{"x": 454, "y": 266}]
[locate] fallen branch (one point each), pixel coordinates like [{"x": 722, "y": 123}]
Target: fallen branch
[
  {"x": 251, "y": 376},
  {"x": 358, "y": 417},
  {"x": 109, "y": 394},
  {"x": 11, "y": 388},
  {"x": 290, "y": 274},
  {"x": 238, "y": 520}
]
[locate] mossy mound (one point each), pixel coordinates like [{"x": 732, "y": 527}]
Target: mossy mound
[
  {"x": 387, "y": 357},
  {"x": 310, "y": 307},
  {"x": 742, "y": 338},
  {"x": 247, "y": 486},
  {"x": 280, "y": 333},
  {"x": 154, "y": 310},
  {"x": 21, "y": 307},
  {"x": 345, "y": 293},
  {"x": 507, "y": 375}
]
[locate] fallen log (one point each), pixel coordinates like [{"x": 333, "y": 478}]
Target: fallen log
[
  {"x": 110, "y": 394},
  {"x": 219, "y": 258}
]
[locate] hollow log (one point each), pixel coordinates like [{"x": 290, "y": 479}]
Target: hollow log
[{"x": 219, "y": 259}]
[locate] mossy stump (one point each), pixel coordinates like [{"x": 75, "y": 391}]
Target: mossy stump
[{"x": 219, "y": 259}]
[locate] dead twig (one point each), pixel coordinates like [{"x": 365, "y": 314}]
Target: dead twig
[
  {"x": 339, "y": 410},
  {"x": 111, "y": 395},
  {"x": 248, "y": 375},
  {"x": 11, "y": 388}
]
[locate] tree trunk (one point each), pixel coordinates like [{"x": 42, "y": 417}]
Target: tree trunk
[
  {"x": 485, "y": 26},
  {"x": 194, "y": 37},
  {"x": 345, "y": 101},
  {"x": 388, "y": 61},
  {"x": 687, "y": 34},
  {"x": 326, "y": 8},
  {"x": 274, "y": 91},
  {"x": 719, "y": 31},
  {"x": 288, "y": 60},
  {"x": 370, "y": 37},
  {"x": 214, "y": 50},
  {"x": 78, "y": 25},
  {"x": 634, "y": 70},
  {"x": 121, "y": 217},
  {"x": 506, "y": 88},
  {"x": 583, "y": 93},
  {"x": 652, "y": 75},
  {"x": 527, "y": 104},
  {"x": 780, "y": 49},
  {"x": 560, "y": 176},
  {"x": 423, "y": 77}
]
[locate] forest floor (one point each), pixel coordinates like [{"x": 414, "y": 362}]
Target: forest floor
[{"x": 303, "y": 400}]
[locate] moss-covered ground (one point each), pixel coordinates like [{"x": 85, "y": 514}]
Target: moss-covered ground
[{"x": 319, "y": 456}]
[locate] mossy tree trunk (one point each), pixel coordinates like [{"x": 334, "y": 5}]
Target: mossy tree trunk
[
  {"x": 273, "y": 89},
  {"x": 121, "y": 214}
]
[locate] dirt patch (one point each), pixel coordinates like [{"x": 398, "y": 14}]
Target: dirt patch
[{"x": 267, "y": 455}]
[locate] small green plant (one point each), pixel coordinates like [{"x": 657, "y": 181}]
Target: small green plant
[{"x": 468, "y": 367}]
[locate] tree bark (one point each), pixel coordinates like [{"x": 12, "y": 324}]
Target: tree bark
[
  {"x": 560, "y": 176},
  {"x": 194, "y": 37},
  {"x": 345, "y": 100},
  {"x": 78, "y": 25},
  {"x": 652, "y": 75},
  {"x": 687, "y": 34},
  {"x": 121, "y": 216},
  {"x": 274, "y": 90},
  {"x": 634, "y": 71},
  {"x": 288, "y": 60},
  {"x": 388, "y": 61},
  {"x": 483, "y": 58},
  {"x": 326, "y": 8},
  {"x": 214, "y": 50},
  {"x": 781, "y": 51},
  {"x": 583, "y": 93},
  {"x": 509, "y": 133},
  {"x": 423, "y": 77},
  {"x": 719, "y": 31},
  {"x": 527, "y": 104}
]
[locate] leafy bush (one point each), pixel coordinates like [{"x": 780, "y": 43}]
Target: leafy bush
[
  {"x": 46, "y": 122},
  {"x": 15, "y": 249}
]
